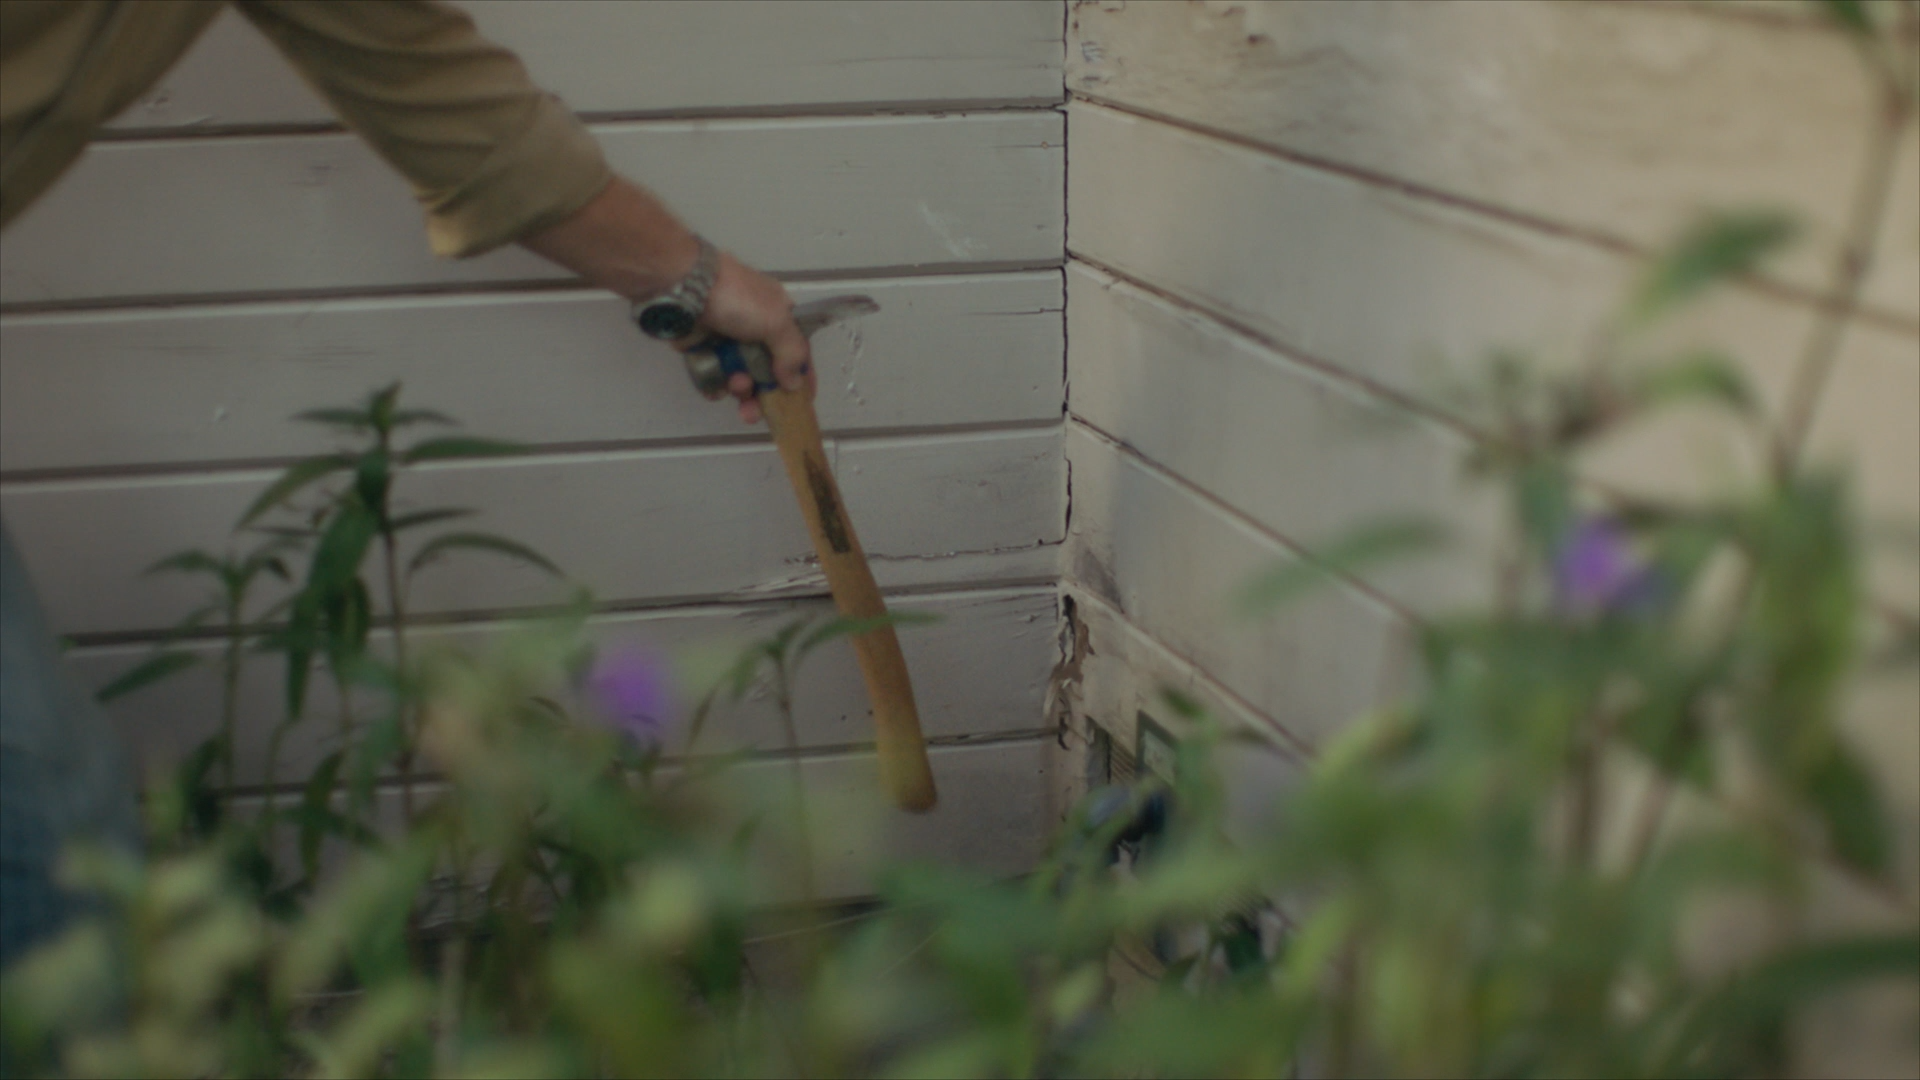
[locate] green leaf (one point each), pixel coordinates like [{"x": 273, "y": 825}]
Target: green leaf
[
  {"x": 389, "y": 1014},
  {"x": 844, "y": 626},
  {"x": 352, "y": 419},
  {"x": 301, "y": 637},
  {"x": 297, "y": 476},
  {"x": 380, "y": 408},
  {"x": 1760, "y": 1000},
  {"x": 315, "y": 813},
  {"x": 349, "y": 612},
  {"x": 1289, "y": 580},
  {"x": 446, "y": 542},
  {"x": 188, "y": 562},
  {"x": 1710, "y": 376},
  {"x": 1851, "y": 16},
  {"x": 380, "y": 746},
  {"x": 459, "y": 446},
  {"x": 403, "y": 417},
  {"x": 343, "y": 546},
  {"x": 1720, "y": 247},
  {"x": 428, "y": 517},
  {"x": 1543, "y": 502},
  {"x": 147, "y": 672},
  {"x": 1843, "y": 793},
  {"x": 372, "y": 477}
]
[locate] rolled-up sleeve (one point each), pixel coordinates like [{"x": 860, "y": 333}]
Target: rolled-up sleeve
[{"x": 491, "y": 156}]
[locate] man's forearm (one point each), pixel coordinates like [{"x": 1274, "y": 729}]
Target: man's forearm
[{"x": 624, "y": 240}]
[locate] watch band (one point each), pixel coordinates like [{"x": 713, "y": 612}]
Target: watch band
[{"x": 684, "y": 303}]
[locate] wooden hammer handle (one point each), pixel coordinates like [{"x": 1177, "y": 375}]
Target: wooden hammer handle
[{"x": 903, "y": 752}]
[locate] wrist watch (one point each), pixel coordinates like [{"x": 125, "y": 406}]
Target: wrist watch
[{"x": 675, "y": 313}]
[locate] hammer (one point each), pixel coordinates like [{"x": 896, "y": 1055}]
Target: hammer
[{"x": 796, "y": 432}]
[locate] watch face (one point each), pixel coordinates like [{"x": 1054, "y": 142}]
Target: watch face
[{"x": 666, "y": 321}]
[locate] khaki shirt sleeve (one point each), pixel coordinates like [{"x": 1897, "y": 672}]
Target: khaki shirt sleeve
[{"x": 490, "y": 155}]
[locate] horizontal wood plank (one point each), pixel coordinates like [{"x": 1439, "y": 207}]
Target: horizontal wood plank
[
  {"x": 1173, "y": 563},
  {"x": 694, "y": 523},
  {"x": 995, "y": 817},
  {"x": 661, "y": 56},
  {"x": 1624, "y": 120},
  {"x": 211, "y": 383},
  {"x": 1310, "y": 457},
  {"x": 1004, "y": 634},
  {"x": 257, "y": 215},
  {"x": 1412, "y": 297}
]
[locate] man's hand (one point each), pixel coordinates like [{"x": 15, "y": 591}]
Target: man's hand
[
  {"x": 747, "y": 305},
  {"x": 626, "y": 241}
]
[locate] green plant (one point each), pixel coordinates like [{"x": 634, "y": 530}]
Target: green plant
[{"x": 1497, "y": 875}]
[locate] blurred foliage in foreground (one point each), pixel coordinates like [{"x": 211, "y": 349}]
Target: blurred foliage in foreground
[{"x": 1495, "y": 877}]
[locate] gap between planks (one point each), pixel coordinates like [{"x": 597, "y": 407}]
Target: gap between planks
[
  {"x": 533, "y": 452},
  {"x": 939, "y": 109},
  {"x": 985, "y": 591},
  {"x": 22, "y": 309},
  {"x": 388, "y": 784},
  {"x": 1346, "y": 376}
]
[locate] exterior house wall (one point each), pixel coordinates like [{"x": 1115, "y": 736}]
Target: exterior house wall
[
  {"x": 227, "y": 255},
  {"x": 1294, "y": 227}
]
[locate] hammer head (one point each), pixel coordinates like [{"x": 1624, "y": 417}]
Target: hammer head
[{"x": 712, "y": 362}]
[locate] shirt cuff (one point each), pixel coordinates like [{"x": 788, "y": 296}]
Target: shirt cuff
[{"x": 536, "y": 179}]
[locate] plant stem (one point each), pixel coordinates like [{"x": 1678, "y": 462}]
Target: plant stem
[
  {"x": 1849, "y": 275},
  {"x": 783, "y": 697},
  {"x": 453, "y": 957},
  {"x": 1583, "y": 816},
  {"x": 273, "y": 776},
  {"x": 230, "y": 692},
  {"x": 1646, "y": 826},
  {"x": 397, "y": 606}
]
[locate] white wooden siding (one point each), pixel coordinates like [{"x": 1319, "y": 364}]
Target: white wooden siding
[
  {"x": 260, "y": 214},
  {"x": 671, "y": 57},
  {"x": 218, "y": 382},
  {"x": 1299, "y": 452},
  {"x": 993, "y": 816},
  {"x": 1613, "y": 120},
  {"x": 229, "y": 256},
  {"x": 684, "y": 524},
  {"x": 1293, "y": 223},
  {"x": 1004, "y": 631},
  {"x": 1394, "y": 291},
  {"x": 1173, "y": 561}
]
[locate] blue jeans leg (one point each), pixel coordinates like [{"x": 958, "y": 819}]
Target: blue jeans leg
[{"x": 64, "y": 774}]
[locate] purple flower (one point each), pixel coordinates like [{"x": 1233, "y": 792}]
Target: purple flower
[
  {"x": 1596, "y": 571},
  {"x": 633, "y": 688}
]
